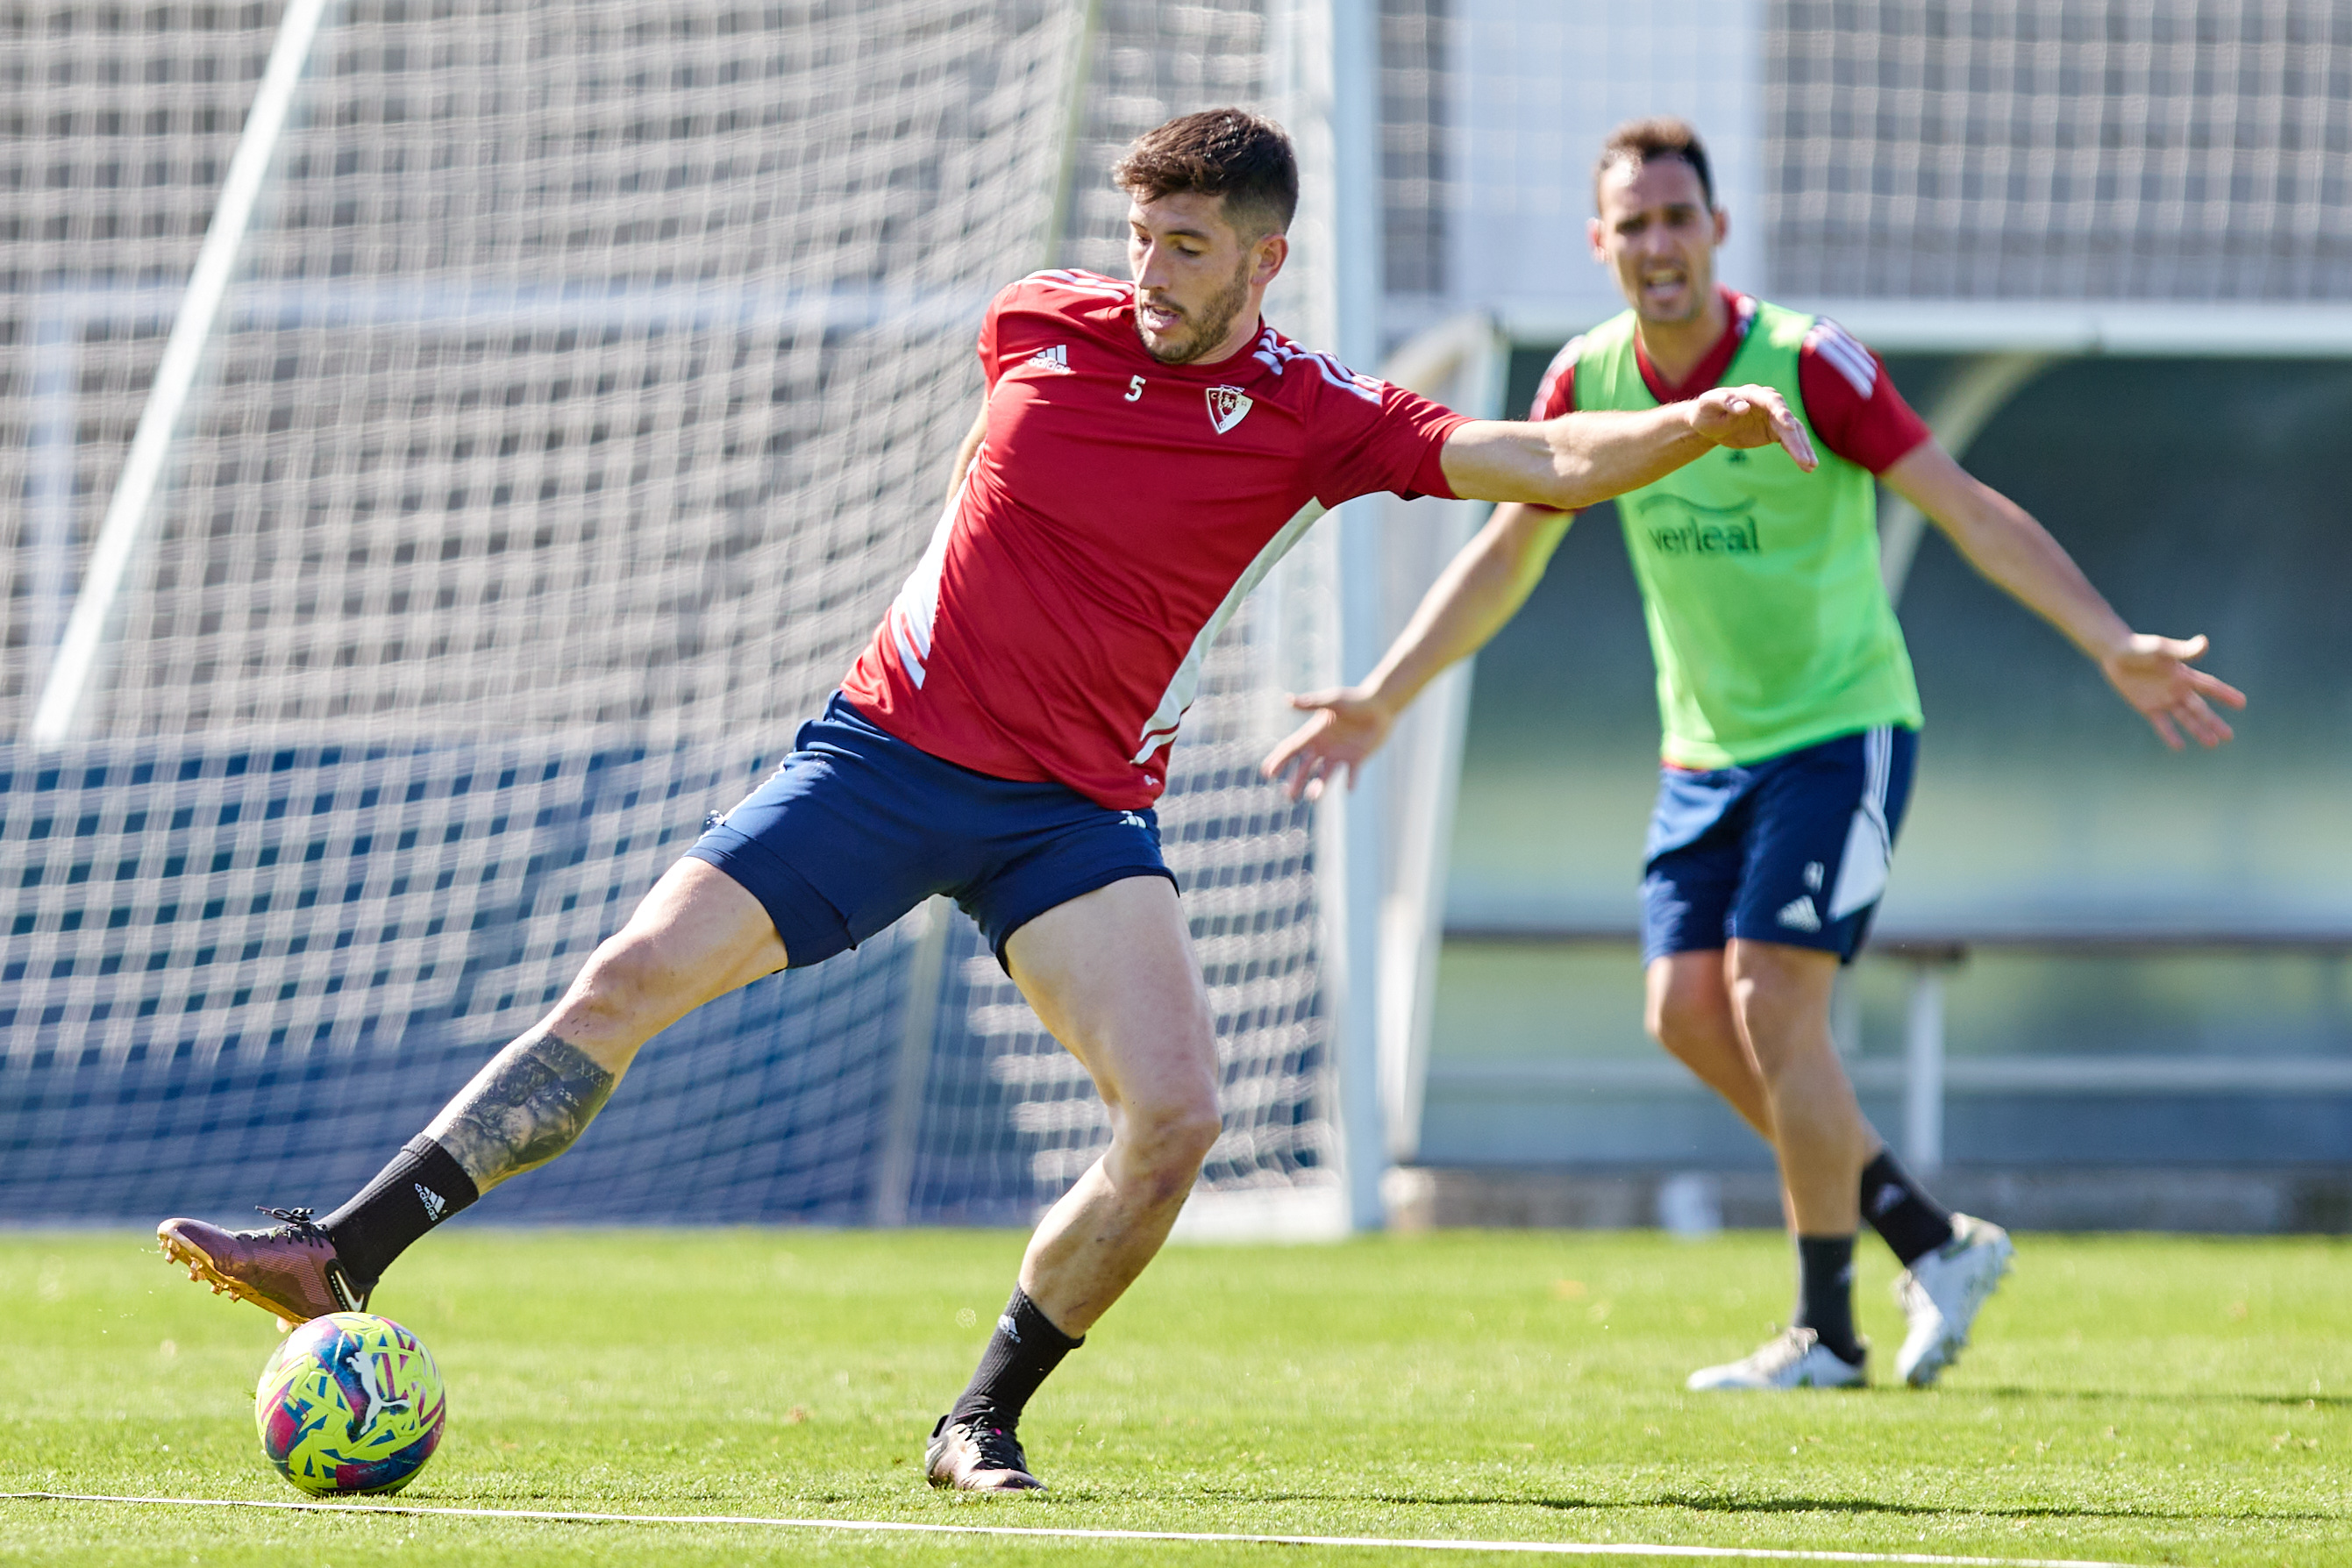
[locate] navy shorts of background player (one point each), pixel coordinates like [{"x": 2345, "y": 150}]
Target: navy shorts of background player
[
  {"x": 856, "y": 827},
  {"x": 1792, "y": 848}
]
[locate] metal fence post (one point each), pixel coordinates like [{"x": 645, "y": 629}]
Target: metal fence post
[{"x": 1923, "y": 1070}]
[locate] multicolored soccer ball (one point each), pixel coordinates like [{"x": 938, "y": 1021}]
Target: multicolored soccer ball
[{"x": 350, "y": 1404}]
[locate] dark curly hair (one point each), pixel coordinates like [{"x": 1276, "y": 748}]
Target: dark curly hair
[{"x": 1227, "y": 153}]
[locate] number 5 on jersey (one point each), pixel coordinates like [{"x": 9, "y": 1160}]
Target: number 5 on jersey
[{"x": 1134, "y": 388}]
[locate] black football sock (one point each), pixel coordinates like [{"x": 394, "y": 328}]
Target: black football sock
[
  {"x": 1825, "y": 1292},
  {"x": 423, "y": 1186},
  {"x": 1900, "y": 1210},
  {"x": 1023, "y": 1348}
]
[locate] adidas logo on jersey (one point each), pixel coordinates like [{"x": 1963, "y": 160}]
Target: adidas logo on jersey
[
  {"x": 1798, "y": 915},
  {"x": 433, "y": 1202},
  {"x": 1228, "y": 406},
  {"x": 1056, "y": 359}
]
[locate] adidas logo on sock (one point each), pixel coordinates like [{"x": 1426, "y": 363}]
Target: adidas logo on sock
[
  {"x": 1005, "y": 1326},
  {"x": 433, "y": 1202},
  {"x": 1056, "y": 358},
  {"x": 1888, "y": 1196},
  {"x": 1798, "y": 914}
]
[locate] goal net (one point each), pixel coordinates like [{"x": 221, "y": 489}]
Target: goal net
[{"x": 586, "y": 390}]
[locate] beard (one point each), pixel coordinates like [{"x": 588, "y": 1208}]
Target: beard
[{"x": 1208, "y": 328}]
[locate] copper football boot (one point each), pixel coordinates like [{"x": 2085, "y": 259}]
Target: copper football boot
[{"x": 289, "y": 1269}]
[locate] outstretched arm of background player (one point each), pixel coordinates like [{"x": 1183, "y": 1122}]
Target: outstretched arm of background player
[
  {"x": 1542, "y": 473},
  {"x": 1578, "y": 459},
  {"x": 1480, "y": 590},
  {"x": 2002, "y": 539},
  {"x": 972, "y": 439}
]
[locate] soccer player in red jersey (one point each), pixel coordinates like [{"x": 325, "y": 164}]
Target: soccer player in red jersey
[
  {"x": 1789, "y": 716},
  {"x": 1138, "y": 464}
]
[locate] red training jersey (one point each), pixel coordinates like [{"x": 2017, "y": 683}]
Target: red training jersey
[
  {"x": 1850, "y": 400},
  {"x": 1114, "y": 515}
]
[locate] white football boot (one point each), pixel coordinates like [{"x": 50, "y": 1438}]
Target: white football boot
[
  {"x": 1795, "y": 1358},
  {"x": 1941, "y": 1293}
]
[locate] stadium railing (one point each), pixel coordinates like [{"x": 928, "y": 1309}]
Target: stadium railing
[{"x": 1924, "y": 1074}]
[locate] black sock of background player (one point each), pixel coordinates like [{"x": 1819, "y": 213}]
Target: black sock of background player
[
  {"x": 1899, "y": 1209},
  {"x": 1023, "y": 1348},
  {"x": 423, "y": 1186},
  {"x": 1825, "y": 1292}
]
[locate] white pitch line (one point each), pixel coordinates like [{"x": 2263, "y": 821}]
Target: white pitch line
[{"x": 1071, "y": 1532}]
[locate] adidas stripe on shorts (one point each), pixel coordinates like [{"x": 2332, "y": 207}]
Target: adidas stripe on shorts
[{"x": 1792, "y": 848}]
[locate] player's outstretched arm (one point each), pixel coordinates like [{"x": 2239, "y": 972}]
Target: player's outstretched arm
[
  {"x": 1582, "y": 459},
  {"x": 1480, "y": 590},
  {"x": 2155, "y": 675}
]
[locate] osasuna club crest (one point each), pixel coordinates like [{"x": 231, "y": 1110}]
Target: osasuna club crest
[{"x": 1228, "y": 405}]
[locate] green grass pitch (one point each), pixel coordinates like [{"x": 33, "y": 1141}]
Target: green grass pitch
[{"x": 2137, "y": 1399}]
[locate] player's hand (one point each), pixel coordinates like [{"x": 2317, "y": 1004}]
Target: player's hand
[
  {"x": 1347, "y": 728},
  {"x": 2155, "y": 676},
  {"x": 1752, "y": 416}
]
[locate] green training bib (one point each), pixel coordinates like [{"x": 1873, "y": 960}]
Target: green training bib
[{"x": 1760, "y": 583}]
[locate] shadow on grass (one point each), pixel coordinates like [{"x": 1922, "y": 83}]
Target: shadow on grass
[
  {"x": 1721, "y": 1503},
  {"x": 1734, "y": 1503},
  {"x": 2087, "y": 1395}
]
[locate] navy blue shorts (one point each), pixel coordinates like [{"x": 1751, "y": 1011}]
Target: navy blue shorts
[
  {"x": 1791, "y": 849},
  {"x": 856, "y": 827}
]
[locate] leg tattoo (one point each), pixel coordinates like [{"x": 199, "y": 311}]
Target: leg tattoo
[{"x": 523, "y": 1110}]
